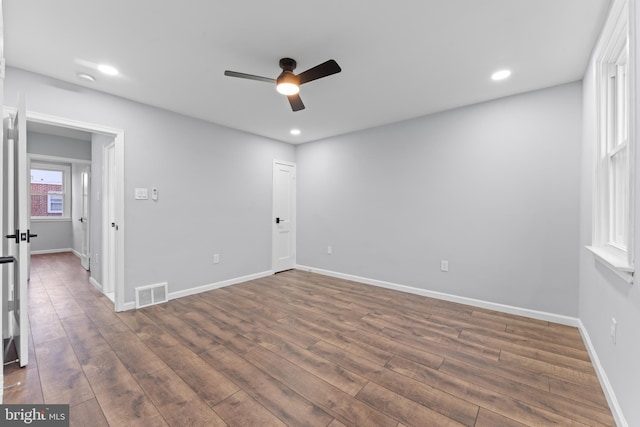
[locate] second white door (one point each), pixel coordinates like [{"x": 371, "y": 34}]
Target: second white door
[{"x": 284, "y": 216}]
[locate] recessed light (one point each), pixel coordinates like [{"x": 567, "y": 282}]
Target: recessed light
[
  {"x": 87, "y": 77},
  {"x": 294, "y": 131},
  {"x": 108, "y": 70},
  {"x": 501, "y": 75}
]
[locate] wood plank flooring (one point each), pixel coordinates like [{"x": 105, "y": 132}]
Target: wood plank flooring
[{"x": 297, "y": 349}]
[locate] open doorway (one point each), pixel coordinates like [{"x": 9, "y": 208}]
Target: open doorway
[
  {"x": 95, "y": 214},
  {"x": 59, "y": 179}
]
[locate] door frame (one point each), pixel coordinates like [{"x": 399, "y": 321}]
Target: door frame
[
  {"x": 293, "y": 219},
  {"x": 109, "y": 240},
  {"x": 118, "y": 136}
]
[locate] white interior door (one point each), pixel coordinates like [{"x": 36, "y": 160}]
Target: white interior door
[
  {"x": 20, "y": 237},
  {"x": 284, "y": 216},
  {"x": 85, "y": 249}
]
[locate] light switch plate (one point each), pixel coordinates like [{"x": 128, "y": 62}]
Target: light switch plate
[{"x": 142, "y": 193}]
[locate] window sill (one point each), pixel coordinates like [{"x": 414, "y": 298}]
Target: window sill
[
  {"x": 50, "y": 219},
  {"x": 614, "y": 259}
]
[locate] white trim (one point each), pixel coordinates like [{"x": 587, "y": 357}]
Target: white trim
[
  {"x": 131, "y": 305},
  {"x": 218, "y": 285},
  {"x": 108, "y": 265},
  {"x": 51, "y": 251},
  {"x": 56, "y": 159},
  {"x": 48, "y": 119},
  {"x": 616, "y": 410},
  {"x": 518, "y": 311},
  {"x": 51, "y": 219},
  {"x": 619, "y": 31},
  {"x": 96, "y": 284},
  {"x": 618, "y": 265}
]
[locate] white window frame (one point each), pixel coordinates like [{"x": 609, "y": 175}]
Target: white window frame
[
  {"x": 613, "y": 212},
  {"x": 66, "y": 190}
]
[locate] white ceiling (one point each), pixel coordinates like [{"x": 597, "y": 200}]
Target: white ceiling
[{"x": 399, "y": 59}]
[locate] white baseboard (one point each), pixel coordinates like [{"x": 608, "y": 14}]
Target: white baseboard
[
  {"x": 604, "y": 380},
  {"x": 131, "y": 305},
  {"x": 51, "y": 251},
  {"x": 518, "y": 311},
  {"x": 76, "y": 253},
  {"x": 218, "y": 285},
  {"x": 199, "y": 289},
  {"x": 95, "y": 283}
]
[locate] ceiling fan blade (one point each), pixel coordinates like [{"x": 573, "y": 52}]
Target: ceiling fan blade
[
  {"x": 323, "y": 70},
  {"x": 248, "y": 76},
  {"x": 296, "y": 102}
]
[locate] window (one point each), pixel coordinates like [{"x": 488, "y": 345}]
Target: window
[
  {"x": 613, "y": 225},
  {"x": 615, "y": 152},
  {"x": 50, "y": 191},
  {"x": 55, "y": 202}
]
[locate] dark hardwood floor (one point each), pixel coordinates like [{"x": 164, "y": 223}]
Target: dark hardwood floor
[{"x": 297, "y": 349}]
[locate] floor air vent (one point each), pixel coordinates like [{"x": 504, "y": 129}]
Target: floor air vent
[{"x": 151, "y": 294}]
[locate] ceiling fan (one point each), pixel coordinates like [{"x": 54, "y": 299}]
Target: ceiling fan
[{"x": 288, "y": 83}]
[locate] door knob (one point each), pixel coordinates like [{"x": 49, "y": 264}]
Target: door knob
[{"x": 30, "y": 235}]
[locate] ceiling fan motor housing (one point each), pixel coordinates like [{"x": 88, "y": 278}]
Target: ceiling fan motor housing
[
  {"x": 287, "y": 76},
  {"x": 288, "y": 64}
]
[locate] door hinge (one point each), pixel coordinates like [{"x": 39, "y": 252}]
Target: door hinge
[{"x": 11, "y": 305}]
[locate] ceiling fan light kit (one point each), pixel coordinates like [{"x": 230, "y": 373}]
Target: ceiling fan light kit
[{"x": 289, "y": 83}]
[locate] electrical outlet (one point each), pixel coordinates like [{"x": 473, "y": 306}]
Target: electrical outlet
[
  {"x": 613, "y": 330},
  {"x": 329, "y": 250},
  {"x": 444, "y": 265},
  {"x": 216, "y": 258}
]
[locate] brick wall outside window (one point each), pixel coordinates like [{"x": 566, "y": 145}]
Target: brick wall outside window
[{"x": 39, "y": 199}]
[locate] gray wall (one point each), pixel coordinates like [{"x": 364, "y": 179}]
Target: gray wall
[
  {"x": 492, "y": 188},
  {"x": 604, "y": 295},
  {"x": 214, "y": 185},
  {"x": 56, "y": 234},
  {"x": 52, "y": 235}
]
